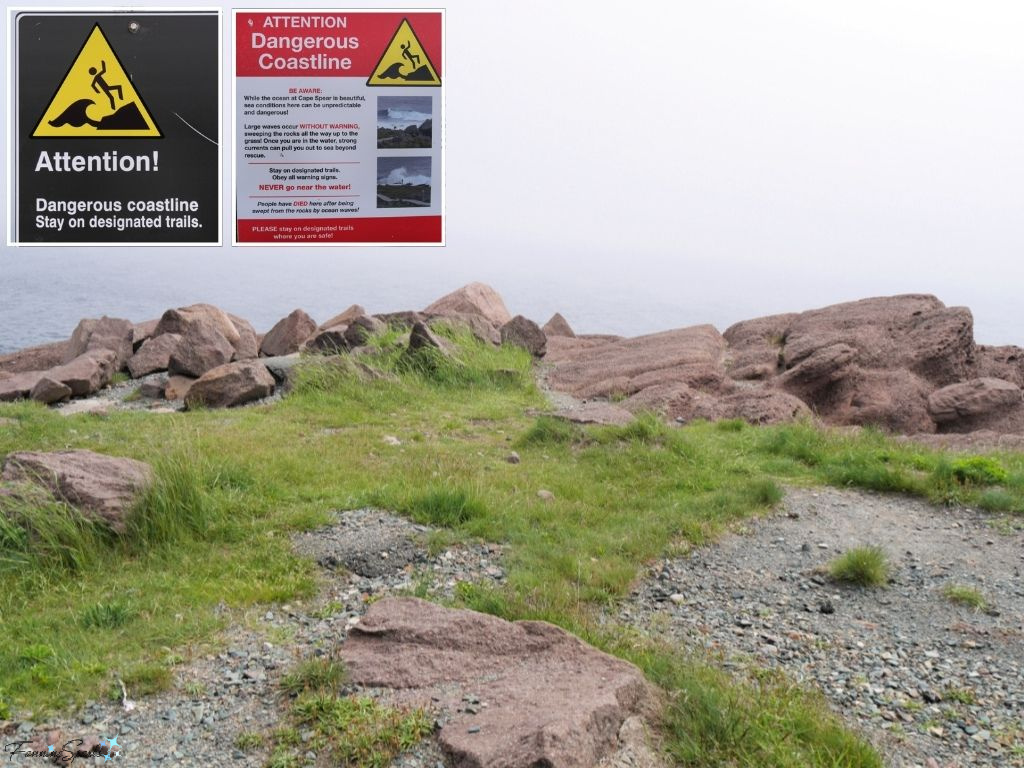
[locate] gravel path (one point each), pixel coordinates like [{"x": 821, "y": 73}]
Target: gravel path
[
  {"x": 232, "y": 690},
  {"x": 932, "y": 682}
]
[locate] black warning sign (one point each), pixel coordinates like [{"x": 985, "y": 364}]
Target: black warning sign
[{"x": 117, "y": 128}]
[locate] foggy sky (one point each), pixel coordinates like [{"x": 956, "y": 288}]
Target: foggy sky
[{"x": 648, "y": 165}]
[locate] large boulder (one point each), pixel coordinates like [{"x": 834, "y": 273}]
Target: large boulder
[
  {"x": 183, "y": 319},
  {"x": 558, "y": 326},
  {"x": 764, "y": 406},
  {"x": 344, "y": 318},
  {"x": 915, "y": 332},
  {"x": 17, "y": 386},
  {"x": 895, "y": 400},
  {"x": 551, "y": 699},
  {"x": 985, "y": 403},
  {"x": 820, "y": 369},
  {"x": 421, "y": 337},
  {"x": 247, "y": 346},
  {"x": 361, "y": 328},
  {"x": 288, "y": 334},
  {"x": 1005, "y": 363},
  {"x": 177, "y": 387},
  {"x": 599, "y": 368},
  {"x": 231, "y": 384},
  {"x": 102, "y": 487},
  {"x": 48, "y": 391},
  {"x": 38, "y": 358},
  {"x": 201, "y": 348},
  {"x": 477, "y": 325},
  {"x": 475, "y": 298},
  {"x": 143, "y": 332},
  {"x": 154, "y": 355},
  {"x": 87, "y": 373},
  {"x": 755, "y": 346},
  {"x": 523, "y": 332},
  {"x": 329, "y": 341},
  {"x": 105, "y": 333}
]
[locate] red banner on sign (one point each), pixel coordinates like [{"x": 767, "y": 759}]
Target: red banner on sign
[
  {"x": 328, "y": 44},
  {"x": 391, "y": 229}
]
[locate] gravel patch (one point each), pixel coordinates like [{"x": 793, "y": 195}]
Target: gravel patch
[{"x": 932, "y": 682}]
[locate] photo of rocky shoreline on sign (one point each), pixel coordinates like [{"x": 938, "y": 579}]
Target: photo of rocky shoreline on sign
[
  {"x": 404, "y": 122},
  {"x": 403, "y": 182}
]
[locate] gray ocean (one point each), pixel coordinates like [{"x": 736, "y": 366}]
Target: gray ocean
[{"x": 45, "y": 292}]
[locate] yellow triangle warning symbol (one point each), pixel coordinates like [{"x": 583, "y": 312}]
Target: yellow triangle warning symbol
[
  {"x": 404, "y": 61},
  {"x": 96, "y": 99}
]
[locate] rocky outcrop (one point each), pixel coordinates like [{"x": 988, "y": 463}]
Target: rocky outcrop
[
  {"x": 523, "y": 332},
  {"x": 288, "y": 334},
  {"x": 972, "y": 398},
  {"x": 551, "y": 700},
  {"x": 231, "y": 384},
  {"x": 475, "y": 298},
  {"x": 38, "y": 358},
  {"x": 558, "y": 326},
  {"x": 102, "y": 487},
  {"x": 693, "y": 356}
]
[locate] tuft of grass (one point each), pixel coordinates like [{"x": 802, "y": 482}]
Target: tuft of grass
[
  {"x": 359, "y": 731},
  {"x": 960, "y": 696},
  {"x": 444, "y": 507},
  {"x": 999, "y": 500},
  {"x": 549, "y": 430},
  {"x": 978, "y": 470},
  {"x": 862, "y": 566},
  {"x": 40, "y": 535},
  {"x": 962, "y": 594},
  {"x": 176, "y": 507},
  {"x": 764, "y": 492},
  {"x": 110, "y": 615},
  {"x": 247, "y": 741},
  {"x": 147, "y": 678},
  {"x": 320, "y": 675},
  {"x": 731, "y": 425}
]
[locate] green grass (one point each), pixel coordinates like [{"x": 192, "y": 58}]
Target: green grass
[
  {"x": 356, "y": 731},
  {"x": 82, "y": 609},
  {"x": 861, "y": 566},
  {"x": 319, "y": 675},
  {"x": 962, "y": 594}
]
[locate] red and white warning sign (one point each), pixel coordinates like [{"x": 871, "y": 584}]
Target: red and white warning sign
[{"x": 338, "y": 118}]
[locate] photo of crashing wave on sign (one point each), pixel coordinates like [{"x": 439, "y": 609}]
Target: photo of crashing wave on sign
[
  {"x": 96, "y": 95},
  {"x": 404, "y": 122},
  {"x": 404, "y": 61},
  {"x": 403, "y": 182}
]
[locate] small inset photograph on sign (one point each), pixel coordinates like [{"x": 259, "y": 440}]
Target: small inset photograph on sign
[
  {"x": 404, "y": 122},
  {"x": 403, "y": 182}
]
